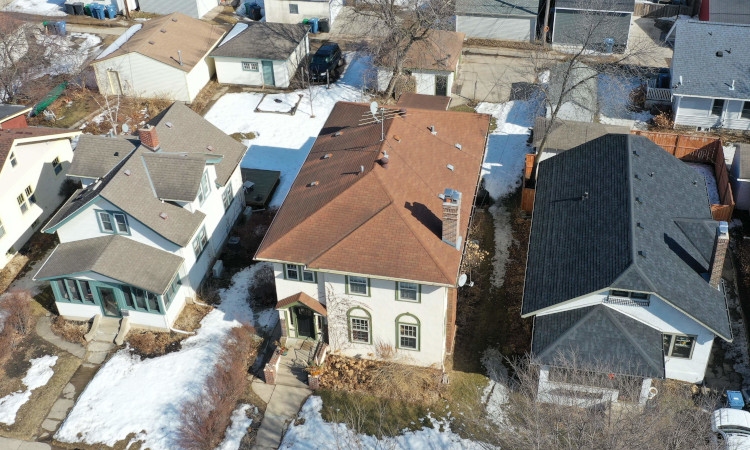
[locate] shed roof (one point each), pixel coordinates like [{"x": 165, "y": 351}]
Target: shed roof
[
  {"x": 526, "y": 8},
  {"x": 729, "y": 11},
  {"x": 421, "y": 101},
  {"x": 597, "y": 5},
  {"x": 704, "y": 73},
  {"x": 601, "y": 221},
  {"x": 264, "y": 183},
  {"x": 163, "y": 37},
  {"x": 440, "y": 51},
  {"x": 382, "y": 221},
  {"x": 114, "y": 256},
  {"x": 742, "y": 153},
  {"x": 261, "y": 40},
  {"x": 566, "y": 134}
]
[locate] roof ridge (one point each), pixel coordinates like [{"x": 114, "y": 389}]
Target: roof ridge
[
  {"x": 610, "y": 313},
  {"x": 148, "y": 175}
]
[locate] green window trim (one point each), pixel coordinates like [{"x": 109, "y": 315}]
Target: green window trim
[
  {"x": 116, "y": 220},
  {"x": 63, "y": 289},
  {"x": 227, "y": 197},
  {"x": 204, "y": 189},
  {"x": 398, "y": 293},
  {"x": 300, "y": 272},
  {"x": 418, "y": 333},
  {"x": 172, "y": 290},
  {"x": 367, "y": 317},
  {"x": 200, "y": 243},
  {"x": 348, "y": 290},
  {"x": 140, "y": 300}
]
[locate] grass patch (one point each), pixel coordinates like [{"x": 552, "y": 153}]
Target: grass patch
[
  {"x": 151, "y": 344},
  {"x": 462, "y": 108},
  {"x": 239, "y": 137},
  {"x": 69, "y": 109}
]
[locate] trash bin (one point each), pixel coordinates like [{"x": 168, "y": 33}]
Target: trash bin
[
  {"x": 87, "y": 9},
  {"x": 314, "y": 25},
  {"x": 324, "y": 26},
  {"x": 97, "y": 11},
  {"x": 111, "y": 11},
  {"x": 69, "y": 9},
  {"x": 255, "y": 12},
  {"x": 60, "y": 28},
  {"x": 735, "y": 400},
  {"x": 78, "y": 8}
]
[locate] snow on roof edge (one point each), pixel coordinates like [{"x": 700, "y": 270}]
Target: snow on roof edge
[
  {"x": 236, "y": 29},
  {"x": 120, "y": 41}
]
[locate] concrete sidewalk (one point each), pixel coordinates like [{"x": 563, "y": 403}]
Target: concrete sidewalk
[
  {"x": 15, "y": 444},
  {"x": 284, "y": 404}
]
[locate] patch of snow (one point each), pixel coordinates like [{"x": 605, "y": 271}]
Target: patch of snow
[
  {"x": 236, "y": 29},
  {"x": 145, "y": 396},
  {"x": 282, "y": 103},
  {"x": 283, "y": 142},
  {"x": 38, "y": 7},
  {"x": 266, "y": 319},
  {"x": 120, "y": 41},
  {"x": 614, "y": 101},
  {"x": 503, "y": 241},
  {"x": 544, "y": 76},
  {"x": 238, "y": 428},
  {"x": 495, "y": 395},
  {"x": 68, "y": 56},
  {"x": 315, "y": 433},
  {"x": 707, "y": 172},
  {"x": 729, "y": 150},
  {"x": 37, "y": 376}
]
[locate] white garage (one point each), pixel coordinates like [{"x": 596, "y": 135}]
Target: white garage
[{"x": 488, "y": 19}]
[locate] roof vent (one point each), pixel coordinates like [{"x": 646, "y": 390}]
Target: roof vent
[
  {"x": 361, "y": 169},
  {"x": 163, "y": 215},
  {"x": 732, "y": 87},
  {"x": 441, "y": 196},
  {"x": 163, "y": 30},
  {"x": 639, "y": 225},
  {"x": 585, "y": 196},
  {"x": 651, "y": 174},
  {"x": 314, "y": 183},
  {"x": 458, "y": 146},
  {"x": 635, "y": 153},
  {"x": 151, "y": 42},
  {"x": 327, "y": 155},
  {"x": 168, "y": 124},
  {"x": 719, "y": 54},
  {"x": 117, "y": 154},
  {"x": 450, "y": 167},
  {"x": 209, "y": 148},
  {"x": 432, "y": 130},
  {"x": 638, "y": 199},
  {"x": 338, "y": 133},
  {"x": 695, "y": 183},
  {"x": 174, "y": 19},
  {"x": 637, "y": 177},
  {"x": 641, "y": 253},
  {"x": 127, "y": 172},
  {"x": 397, "y": 138}
]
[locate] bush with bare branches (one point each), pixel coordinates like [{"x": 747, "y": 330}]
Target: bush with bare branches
[
  {"x": 663, "y": 120},
  {"x": 16, "y": 307},
  {"x": 70, "y": 330},
  {"x": 264, "y": 287},
  {"x": 205, "y": 419}
]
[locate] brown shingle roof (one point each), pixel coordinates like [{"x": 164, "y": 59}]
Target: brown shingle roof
[
  {"x": 384, "y": 221},
  {"x": 193, "y": 37},
  {"x": 301, "y": 297},
  {"x": 439, "y": 51},
  {"x": 421, "y": 101},
  {"x": 9, "y": 136}
]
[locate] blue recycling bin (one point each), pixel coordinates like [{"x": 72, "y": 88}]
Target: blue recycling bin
[
  {"x": 111, "y": 11},
  {"x": 97, "y": 11},
  {"x": 314, "y": 25},
  {"x": 735, "y": 400},
  {"x": 60, "y": 28}
]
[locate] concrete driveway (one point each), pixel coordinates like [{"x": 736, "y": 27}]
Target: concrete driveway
[{"x": 491, "y": 74}]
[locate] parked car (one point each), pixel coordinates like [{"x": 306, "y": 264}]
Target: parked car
[
  {"x": 327, "y": 60},
  {"x": 731, "y": 428}
]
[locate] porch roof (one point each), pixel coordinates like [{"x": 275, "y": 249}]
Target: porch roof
[
  {"x": 304, "y": 299},
  {"x": 116, "y": 257}
]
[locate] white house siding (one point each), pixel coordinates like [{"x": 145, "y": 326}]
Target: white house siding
[
  {"x": 696, "y": 112},
  {"x": 278, "y": 11},
  {"x": 192, "y": 8},
  {"x": 665, "y": 318},
  {"x": 509, "y": 27},
  {"x": 229, "y": 70},
  {"x": 33, "y": 168},
  {"x": 383, "y": 309},
  {"x": 141, "y": 76},
  {"x": 335, "y": 8},
  {"x": 200, "y": 75}
]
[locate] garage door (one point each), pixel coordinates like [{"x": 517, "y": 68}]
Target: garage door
[{"x": 513, "y": 28}]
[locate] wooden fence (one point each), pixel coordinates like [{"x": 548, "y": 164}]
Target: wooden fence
[
  {"x": 528, "y": 193},
  {"x": 705, "y": 150},
  {"x": 656, "y": 10}
]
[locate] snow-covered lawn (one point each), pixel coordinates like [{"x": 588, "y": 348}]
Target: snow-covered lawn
[
  {"x": 70, "y": 52},
  {"x": 39, "y": 7},
  {"x": 37, "y": 376},
  {"x": 283, "y": 142},
  {"x": 144, "y": 396},
  {"x": 614, "y": 101},
  {"x": 238, "y": 428},
  {"x": 315, "y": 433},
  {"x": 282, "y": 103}
]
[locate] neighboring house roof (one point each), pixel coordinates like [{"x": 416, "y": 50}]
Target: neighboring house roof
[
  {"x": 742, "y": 159},
  {"x": 301, "y": 297},
  {"x": 703, "y": 72},
  {"x": 163, "y": 37},
  {"x": 95, "y": 156},
  {"x": 440, "y": 50},
  {"x": 136, "y": 183},
  {"x": 528, "y": 8},
  {"x": 114, "y": 257},
  {"x": 597, "y": 5},
  {"x": 261, "y": 40},
  {"x": 384, "y": 221},
  {"x": 421, "y": 101},
  {"x": 598, "y": 338},
  {"x": 264, "y": 184},
  {"x": 729, "y": 11},
  {"x": 10, "y": 111},
  {"x": 566, "y": 134},
  {"x": 580, "y": 90},
  {"x": 8, "y": 138},
  {"x": 596, "y": 226}
]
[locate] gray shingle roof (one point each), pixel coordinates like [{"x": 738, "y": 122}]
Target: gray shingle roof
[
  {"x": 566, "y": 134},
  {"x": 114, "y": 257},
  {"x": 703, "y": 72},
  {"x": 261, "y": 40},
  {"x": 742, "y": 159},
  {"x": 597, "y": 5},
  {"x": 174, "y": 176},
  {"x": 579, "y": 246},
  {"x": 95, "y": 156},
  {"x": 729, "y": 11},
  {"x": 599, "y": 337},
  {"x": 498, "y": 7},
  {"x": 7, "y": 110}
]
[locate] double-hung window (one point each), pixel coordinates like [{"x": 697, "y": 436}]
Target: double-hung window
[
  {"x": 113, "y": 222},
  {"x": 407, "y": 291},
  {"x": 250, "y": 66},
  {"x": 204, "y": 189},
  {"x": 200, "y": 242},
  {"x": 678, "y": 346},
  {"x": 56, "y": 165},
  {"x": 227, "y": 196},
  {"x": 141, "y": 300},
  {"x": 408, "y": 336},
  {"x": 291, "y": 271},
  {"x": 30, "y": 194},
  {"x": 360, "y": 329},
  {"x": 13, "y": 161},
  {"x": 358, "y": 285},
  {"x": 308, "y": 275},
  {"x": 717, "y": 107},
  {"x": 22, "y": 203},
  {"x": 299, "y": 273}
]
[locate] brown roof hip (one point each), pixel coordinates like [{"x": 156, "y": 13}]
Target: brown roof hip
[{"x": 301, "y": 297}]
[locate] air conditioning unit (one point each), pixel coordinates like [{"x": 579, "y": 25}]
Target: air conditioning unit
[{"x": 218, "y": 269}]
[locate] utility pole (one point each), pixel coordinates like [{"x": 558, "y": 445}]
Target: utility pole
[{"x": 546, "y": 21}]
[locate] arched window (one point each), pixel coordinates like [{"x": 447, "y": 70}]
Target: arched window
[
  {"x": 408, "y": 332},
  {"x": 360, "y": 325}
]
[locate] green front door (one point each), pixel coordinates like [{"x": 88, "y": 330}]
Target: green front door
[
  {"x": 268, "y": 79},
  {"x": 108, "y": 301}
]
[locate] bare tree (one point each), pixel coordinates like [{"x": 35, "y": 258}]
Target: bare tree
[
  {"x": 393, "y": 27},
  {"x": 110, "y": 107}
]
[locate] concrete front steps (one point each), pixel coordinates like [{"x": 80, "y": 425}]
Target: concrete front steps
[{"x": 102, "y": 338}]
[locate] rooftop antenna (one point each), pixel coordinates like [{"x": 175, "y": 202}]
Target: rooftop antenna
[
  {"x": 379, "y": 115},
  {"x": 179, "y": 55}
]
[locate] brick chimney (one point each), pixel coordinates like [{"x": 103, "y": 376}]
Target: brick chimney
[
  {"x": 452, "y": 218},
  {"x": 148, "y": 137},
  {"x": 720, "y": 251}
]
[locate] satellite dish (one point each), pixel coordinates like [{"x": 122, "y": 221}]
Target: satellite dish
[
  {"x": 125, "y": 128},
  {"x": 462, "y": 280},
  {"x": 374, "y": 110}
]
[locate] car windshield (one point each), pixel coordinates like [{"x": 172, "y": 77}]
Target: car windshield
[{"x": 320, "y": 59}]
